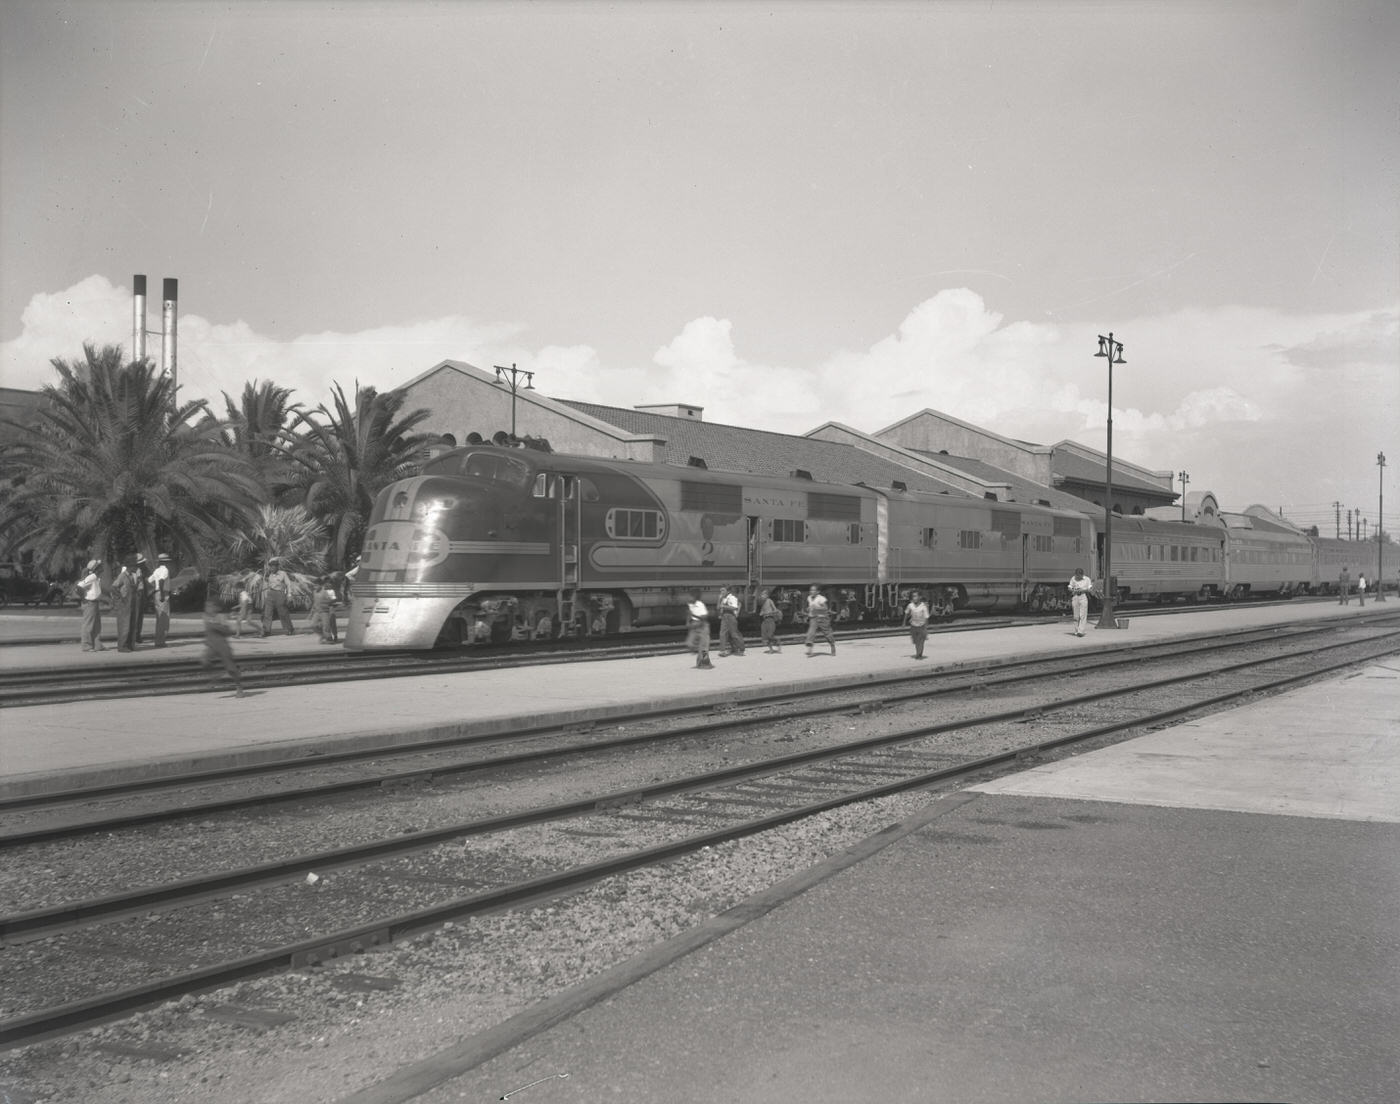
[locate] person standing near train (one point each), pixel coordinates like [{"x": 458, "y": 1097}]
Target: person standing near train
[
  {"x": 916, "y": 615},
  {"x": 277, "y": 587},
  {"x": 731, "y": 640},
  {"x": 1344, "y": 587},
  {"x": 1361, "y": 589},
  {"x": 139, "y": 575},
  {"x": 770, "y": 613},
  {"x": 818, "y": 619},
  {"x": 698, "y": 631},
  {"x": 90, "y": 591},
  {"x": 1079, "y": 589},
  {"x": 123, "y": 594},
  {"x": 160, "y": 596}
]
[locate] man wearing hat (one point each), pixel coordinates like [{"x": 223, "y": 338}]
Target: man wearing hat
[
  {"x": 160, "y": 591},
  {"x": 139, "y": 575},
  {"x": 123, "y": 594},
  {"x": 276, "y": 587},
  {"x": 90, "y": 587}
]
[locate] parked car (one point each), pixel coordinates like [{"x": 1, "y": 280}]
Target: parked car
[{"x": 27, "y": 590}]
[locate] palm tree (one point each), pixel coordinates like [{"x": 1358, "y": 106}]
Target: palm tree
[
  {"x": 287, "y": 532},
  {"x": 256, "y": 427},
  {"x": 345, "y": 457},
  {"x": 111, "y": 462}
]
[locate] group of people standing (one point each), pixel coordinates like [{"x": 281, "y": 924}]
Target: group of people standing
[
  {"x": 1344, "y": 588},
  {"x": 128, "y": 592},
  {"x": 731, "y": 640},
  {"x": 917, "y": 615}
]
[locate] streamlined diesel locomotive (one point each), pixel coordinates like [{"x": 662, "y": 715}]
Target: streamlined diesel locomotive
[{"x": 493, "y": 544}]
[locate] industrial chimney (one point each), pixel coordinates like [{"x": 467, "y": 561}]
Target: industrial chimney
[
  {"x": 170, "y": 292},
  {"x": 138, "y": 318}
]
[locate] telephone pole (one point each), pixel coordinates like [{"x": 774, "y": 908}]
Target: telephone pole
[{"x": 1185, "y": 479}]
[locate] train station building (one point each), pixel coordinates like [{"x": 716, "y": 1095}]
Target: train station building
[{"x": 926, "y": 451}]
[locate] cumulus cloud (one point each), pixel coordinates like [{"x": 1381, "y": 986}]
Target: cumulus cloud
[{"x": 1258, "y": 405}]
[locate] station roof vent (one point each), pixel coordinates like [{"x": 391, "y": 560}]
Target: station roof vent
[
  {"x": 801, "y": 473},
  {"x": 698, "y": 462},
  {"x": 898, "y": 485}
]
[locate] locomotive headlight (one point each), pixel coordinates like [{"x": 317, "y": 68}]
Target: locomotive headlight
[{"x": 430, "y": 509}]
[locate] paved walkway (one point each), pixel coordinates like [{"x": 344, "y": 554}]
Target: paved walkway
[{"x": 1208, "y": 913}]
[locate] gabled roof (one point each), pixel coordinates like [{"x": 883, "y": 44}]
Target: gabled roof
[
  {"x": 1022, "y": 490},
  {"x": 761, "y": 452},
  {"x": 1074, "y": 466}
]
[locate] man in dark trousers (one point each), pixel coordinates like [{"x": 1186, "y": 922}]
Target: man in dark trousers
[
  {"x": 277, "y": 588},
  {"x": 138, "y": 600},
  {"x": 123, "y": 595}
]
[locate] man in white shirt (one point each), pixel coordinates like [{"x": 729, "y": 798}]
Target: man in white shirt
[
  {"x": 1079, "y": 588},
  {"x": 90, "y": 587},
  {"x": 698, "y": 635},
  {"x": 916, "y": 615},
  {"x": 160, "y": 595},
  {"x": 731, "y": 640}
]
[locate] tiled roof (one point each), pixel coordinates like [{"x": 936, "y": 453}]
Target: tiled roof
[
  {"x": 738, "y": 449},
  {"x": 1022, "y": 490},
  {"x": 1081, "y": 469}
]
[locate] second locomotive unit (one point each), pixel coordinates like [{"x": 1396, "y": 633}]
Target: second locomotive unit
[{"x": 491, "y": 543}]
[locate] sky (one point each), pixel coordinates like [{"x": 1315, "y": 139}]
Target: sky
[{"x": 787, "y": 213}]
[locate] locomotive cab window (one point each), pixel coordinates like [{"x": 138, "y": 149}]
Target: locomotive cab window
[
  {"x": 789, "y": 531},
  {"x": 634, "y": 524}
]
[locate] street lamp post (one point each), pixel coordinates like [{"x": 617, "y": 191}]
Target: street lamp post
[
  {"x": 1113, "y": 351},
  {"x": 511, "y": 377},
  {"x": 1380, "y": 516},
  {"x": 1185, "y": 479}
]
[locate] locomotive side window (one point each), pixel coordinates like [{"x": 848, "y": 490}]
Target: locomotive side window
[
  {"x": 634, "y": 524},
  {"x": 853, "y": 535},
  {"x": 929, "y": 538},
  {"x": 789, "y": 531},
  {"x": 1044, "y": 544},
  {"x": 969, "y": 538}
]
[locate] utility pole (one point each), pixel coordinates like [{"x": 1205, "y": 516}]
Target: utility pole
[
  {"x": 1185, "y": 479},
  {"x": 1113, "y": 351},
  {"x": 1337, "y": 506},
  {"x": 1380, "y": 515},
  {"x": 1349, "y": 513}
]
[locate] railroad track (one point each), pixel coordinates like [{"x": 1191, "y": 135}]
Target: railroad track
[
  {"x": 517, "y": 857},
  {"x": 62, "y": 684}
]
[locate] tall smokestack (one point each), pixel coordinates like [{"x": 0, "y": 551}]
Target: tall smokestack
[
  {"x": 170, "y": 292},
  {"x": 138, "y": 318}
]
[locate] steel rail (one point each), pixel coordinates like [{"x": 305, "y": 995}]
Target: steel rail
[
  {"x": 971, "y": 677},
  {"x": 54, "y": 797},
  {"x": 47, "y": 921},
  {"x": 65, "y": 1018}
]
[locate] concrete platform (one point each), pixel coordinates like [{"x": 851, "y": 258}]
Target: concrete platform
[
  {"x": 55, "y": 747},
  {"x": 1209, "y": 913}
]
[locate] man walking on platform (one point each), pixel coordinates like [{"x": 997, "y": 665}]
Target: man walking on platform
[
  {"x": 916, "y": 617},
  {"x": 770, "y": 614},
  {"x": 1079, "y": 588},
  {"x": 1344, "y": 587},
  {"x": 818, "y": 619},
  {"x": 698, "y": 632}
]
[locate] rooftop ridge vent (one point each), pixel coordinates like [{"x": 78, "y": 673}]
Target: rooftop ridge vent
[
  {"x": 698, "y": 462},
  {"x": 801, "y": 473}
]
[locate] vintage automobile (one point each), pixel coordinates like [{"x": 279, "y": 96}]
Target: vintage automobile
[{"x": 28, "y": 590}]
